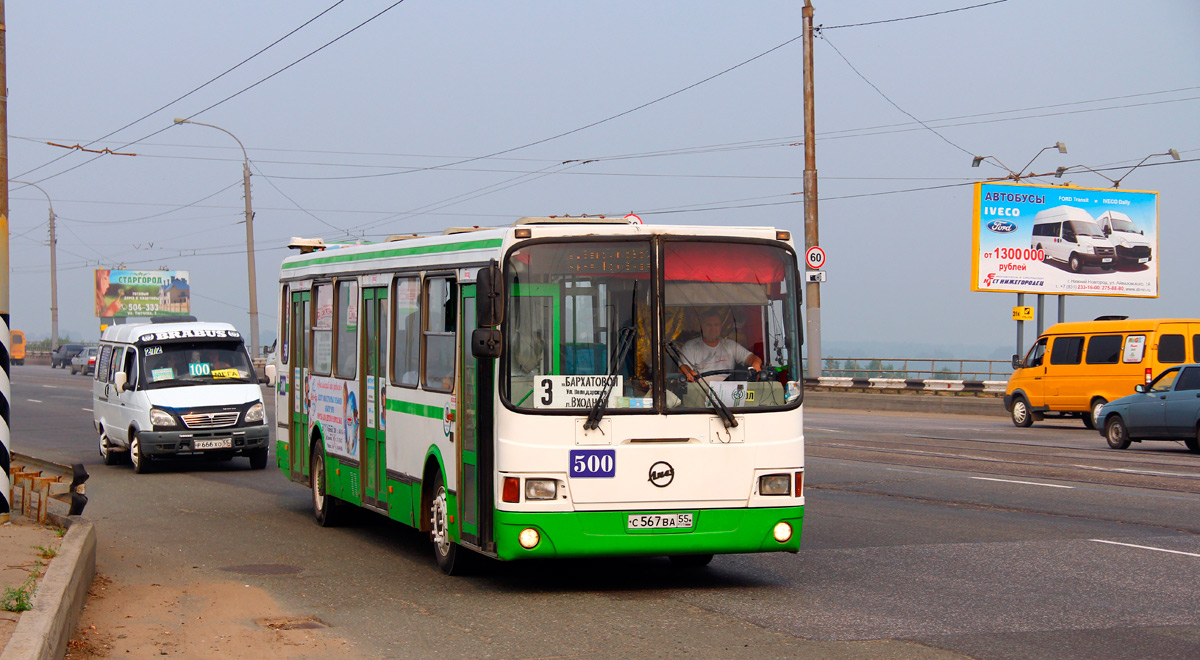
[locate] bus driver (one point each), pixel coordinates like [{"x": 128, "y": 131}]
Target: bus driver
[{"x": 711, "y": 352}]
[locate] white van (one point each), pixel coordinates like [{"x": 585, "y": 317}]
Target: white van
[
  {"x": 1070, "y": 235},
  {"x": 177, "y": 389},
  {"x": 1130, "y": 241}
]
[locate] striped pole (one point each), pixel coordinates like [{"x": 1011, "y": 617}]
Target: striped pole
[
  {"x": 5, "y": 335},
  {"x": 5, "y": 432}
]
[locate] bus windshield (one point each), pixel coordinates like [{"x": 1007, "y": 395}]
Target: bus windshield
[
  {"x": 650, "y": 325},
  {"x": 173, "y": 364}
]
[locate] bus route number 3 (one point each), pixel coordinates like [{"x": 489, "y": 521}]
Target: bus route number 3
[{"x": 593, "y": 463}]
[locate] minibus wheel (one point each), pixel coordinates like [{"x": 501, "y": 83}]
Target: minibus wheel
[
  {"x": 1020, "y": 413},
  {"x": 141, "y": 462},
  {"x": 1116, "y": 433},
  {"x": 106, "y": 452},
  {"x": 1091, "y": 420},
  {"x": 1075, "y": 263}
]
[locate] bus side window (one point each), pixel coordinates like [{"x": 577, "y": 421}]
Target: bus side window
[
  {"x": 346, "y": 348},
  {"x": 130, "y": 367},
  {"x": 441, "y": 324},
  {"x": 1171, "y": 349},
  {"x": 406, "y": 342}
]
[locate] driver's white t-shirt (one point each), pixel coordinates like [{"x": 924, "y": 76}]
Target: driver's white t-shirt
[{"x": 727, "y": 354}]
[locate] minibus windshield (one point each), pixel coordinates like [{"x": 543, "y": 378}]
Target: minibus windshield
[
  {"x": 173, "y": 364},
  {"x": 1085, "y": 228}
]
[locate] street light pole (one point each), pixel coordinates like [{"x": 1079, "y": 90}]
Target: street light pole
[
  {"x": 53, "y": 269},
  {"x": 249, "y": 235}
]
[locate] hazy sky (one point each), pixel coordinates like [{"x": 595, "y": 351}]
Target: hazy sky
[{"x": 339, "y": 135}]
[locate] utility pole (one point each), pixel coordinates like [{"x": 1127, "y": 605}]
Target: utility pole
[
  {"x": 5, "y": 330},
  {"x": 812, "y": 290}
]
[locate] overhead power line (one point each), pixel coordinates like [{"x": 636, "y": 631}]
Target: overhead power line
[
  {"x": 909, "y": 18},
  {"x": 194, "y": 90}
]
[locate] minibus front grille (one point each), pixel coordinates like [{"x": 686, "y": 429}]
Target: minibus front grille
[
  {"x": 1105, "y": 251},
  {"x": 210, "y": 420}
]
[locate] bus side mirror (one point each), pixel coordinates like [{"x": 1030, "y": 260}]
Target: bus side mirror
[
  {"x": 120, "y": 380},
  {"x": 272, "y": 374},
  {"x": 1107, "y": 231},
  {"x": 489, "y": 297},
  {"x": 486, "y": 343},
  {"x": 1016, "y": 362}
]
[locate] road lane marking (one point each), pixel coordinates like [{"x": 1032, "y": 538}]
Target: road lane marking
[
  {"x": 87, "y": 409},
  {"x": 1147, "y": 547},
  {"x": 34, "y": 400},
  {"x": 1026, "y": 483},
  {"x": 53, "y": 387}
]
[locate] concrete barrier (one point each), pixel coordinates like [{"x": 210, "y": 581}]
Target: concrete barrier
[
  {"x": 949, "y": 402},
  {"x": 44, "y": 631}
]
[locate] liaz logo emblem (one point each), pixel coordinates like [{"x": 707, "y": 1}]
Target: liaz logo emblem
[
  {"x": 662, "y": 474},
  {"x": 1002, "y": 226}
]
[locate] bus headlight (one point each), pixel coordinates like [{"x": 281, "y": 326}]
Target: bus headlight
[
  {"x": 255, "y": 414},
  {"x": 775, "y": 484},
  {"x": 161, "y": 418},
  {"x": 541, "y": 489},
  {"x": 782, "y": 532},
  {"x": 528, "y": 538}
]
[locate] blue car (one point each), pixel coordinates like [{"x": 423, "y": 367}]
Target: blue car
[{"x": 1166, "y": 409}]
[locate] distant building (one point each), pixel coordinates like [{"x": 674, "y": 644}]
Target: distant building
[{"x": 174, "y": 296}]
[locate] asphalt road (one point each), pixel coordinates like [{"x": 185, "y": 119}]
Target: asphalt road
[{"x": 925, "y": 536}]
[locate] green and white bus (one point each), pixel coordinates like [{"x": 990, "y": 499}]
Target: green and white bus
[{"x": 517, "y": 393}]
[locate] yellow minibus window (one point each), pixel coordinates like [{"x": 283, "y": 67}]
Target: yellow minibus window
[
  {"x": 1066, "y": 350},
  {"x": 1104, "y": 349},
  {"x": 1171, "y": 349}
]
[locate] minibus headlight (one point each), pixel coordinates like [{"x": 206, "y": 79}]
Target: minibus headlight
[
  {"x": 161, "y": 418},
  {"x": 1089, "y": 249},
  {"x": 775, "y": 484},
  {"x": 256, "y": 413},
  {"x": 541, "y": 489}
]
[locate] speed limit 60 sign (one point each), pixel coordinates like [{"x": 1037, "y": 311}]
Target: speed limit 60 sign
[{"x": 814, "y": 257}]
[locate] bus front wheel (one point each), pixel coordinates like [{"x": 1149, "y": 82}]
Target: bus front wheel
[
  {"x": 445, "y": 551},
  {"x": 325, "y": 509}
]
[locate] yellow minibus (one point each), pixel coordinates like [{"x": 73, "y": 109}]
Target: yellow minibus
[{"x": 1074, "y": 368}]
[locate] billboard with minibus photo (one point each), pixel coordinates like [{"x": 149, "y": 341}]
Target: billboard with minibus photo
[
  {"x": 123, "y": 293},
  {"x": 1065, "y": 240}
]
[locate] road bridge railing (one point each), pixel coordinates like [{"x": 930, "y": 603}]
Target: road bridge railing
[{"x": 42, "y": 483}]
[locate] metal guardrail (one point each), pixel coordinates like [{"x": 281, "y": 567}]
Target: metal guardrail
[
  {"x": 915, "y": 368},
  {"x": 39, "y": 482}
]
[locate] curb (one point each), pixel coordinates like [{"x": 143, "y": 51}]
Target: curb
[{"x": 43, "y": 632}]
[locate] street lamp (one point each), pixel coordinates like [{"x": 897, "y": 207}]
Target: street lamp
[
  {"x": 53, "y": 269},
  {"x": 1019, "y": 174},
  {"x": 249, "y": 235},
  {"x": 1116, "y": 183}
]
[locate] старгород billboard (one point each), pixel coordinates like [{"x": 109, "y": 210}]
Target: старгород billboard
[{"x": 1065, "y": 240}]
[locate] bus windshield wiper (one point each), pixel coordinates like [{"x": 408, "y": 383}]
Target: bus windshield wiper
[
  {"x": 715, "y": 401},
  {"x": 597, "y": 411},
  {"x": 623, "y": 344}
]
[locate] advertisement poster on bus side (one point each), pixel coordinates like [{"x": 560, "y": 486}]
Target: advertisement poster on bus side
[
  {"x": 142, "y": 293},
  {"x": 333, "y": 406},
  {"x": 1065, "y": 240}
]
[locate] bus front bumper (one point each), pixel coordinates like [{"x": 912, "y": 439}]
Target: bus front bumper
[{"x": 605, "y": 533}]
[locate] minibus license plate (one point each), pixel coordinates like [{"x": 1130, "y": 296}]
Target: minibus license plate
[
  {"x": 1106, "y": 259},
  {"x": 1143, "y": 260},
  {"x": 219, "y": 443},
  {"x": 660, "y": 521}
]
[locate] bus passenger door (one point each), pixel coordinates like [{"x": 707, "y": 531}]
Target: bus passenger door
[
  {"x": 296, "y": 357},
  {"x": 374, "y": 467},
  {"x": 476, "y": 394}
]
